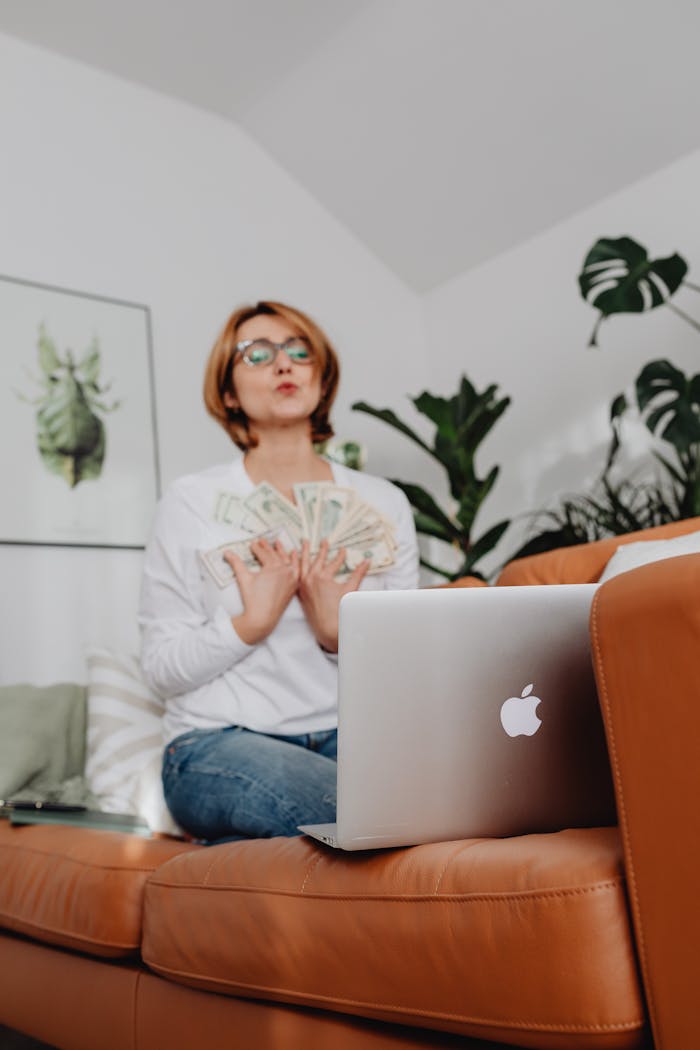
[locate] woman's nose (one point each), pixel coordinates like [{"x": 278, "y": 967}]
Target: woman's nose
[{"x": 282, "y": 362}]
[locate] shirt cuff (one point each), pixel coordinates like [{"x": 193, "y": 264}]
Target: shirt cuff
[{"x": 229, "y": 636}]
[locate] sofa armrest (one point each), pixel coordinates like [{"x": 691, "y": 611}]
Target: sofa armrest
[{"x": 645, "y": 630}]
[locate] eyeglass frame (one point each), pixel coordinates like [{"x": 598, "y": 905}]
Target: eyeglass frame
[{"x": 240, "y": 348}]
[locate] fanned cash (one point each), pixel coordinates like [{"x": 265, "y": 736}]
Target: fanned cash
[{"x": 323, "y": 511}]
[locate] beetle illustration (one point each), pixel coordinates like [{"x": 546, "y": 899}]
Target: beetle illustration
[{"x": 70, "y": 434}]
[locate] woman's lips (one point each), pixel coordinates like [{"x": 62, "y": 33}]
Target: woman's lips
[{"x": 287, "y": 388}]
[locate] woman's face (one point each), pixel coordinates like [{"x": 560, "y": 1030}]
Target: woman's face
[{"x": 276, "y": 394}]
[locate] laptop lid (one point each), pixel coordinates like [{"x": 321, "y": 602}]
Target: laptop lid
[{"x": 468, "y": 712}]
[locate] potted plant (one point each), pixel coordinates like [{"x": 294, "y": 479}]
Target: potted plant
[{"x": 461, "y": 424}]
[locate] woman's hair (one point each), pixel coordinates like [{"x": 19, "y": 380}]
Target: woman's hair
[{"x": 218, "y": 376}]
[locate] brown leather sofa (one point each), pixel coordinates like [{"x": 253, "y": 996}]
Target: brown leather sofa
[{"x": 585, "y": 938}]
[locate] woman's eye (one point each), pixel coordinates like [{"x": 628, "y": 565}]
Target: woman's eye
[
  {"x": 259, "y": 354},
  {"x": 299, "y": 352}
]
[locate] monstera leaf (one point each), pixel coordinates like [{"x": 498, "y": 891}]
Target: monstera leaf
[
  {"x": 670, "y": 402},
  {"x": 618, "y": 277}
]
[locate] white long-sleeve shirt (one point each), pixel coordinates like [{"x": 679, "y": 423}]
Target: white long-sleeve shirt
[{"x": 191, "y": 654}]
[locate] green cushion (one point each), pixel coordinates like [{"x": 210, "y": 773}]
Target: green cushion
[{"x": 42, "y": 738}]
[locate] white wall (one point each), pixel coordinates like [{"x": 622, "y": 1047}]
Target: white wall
[
  {"x": 109, "y": 188},
  {"x": 112, "y": 189},
  {"x": 520, "y": 321}
]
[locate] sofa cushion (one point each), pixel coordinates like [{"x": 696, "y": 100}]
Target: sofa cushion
[
  {"x": 42, "y": 741},
  {"x": 634, "y": 555},
  {"x": 525, "y": 940},
  {"x": 584, "y": 562},
  {"x": 78, "y": 888}
]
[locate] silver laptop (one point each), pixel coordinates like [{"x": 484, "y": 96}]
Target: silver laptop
[{"x": 464, "y": 713}]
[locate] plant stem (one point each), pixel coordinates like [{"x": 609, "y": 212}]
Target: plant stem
[
  {"x": 593, "y": 341},
  {"x": 690, "y": 320}
]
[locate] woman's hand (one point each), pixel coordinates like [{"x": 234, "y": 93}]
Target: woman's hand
[
  {"x": 266, "y": 593},
  {"x": 320, "y": 593}
]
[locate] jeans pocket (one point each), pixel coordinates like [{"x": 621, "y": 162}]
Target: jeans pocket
[{"x": 178, "y": 750}]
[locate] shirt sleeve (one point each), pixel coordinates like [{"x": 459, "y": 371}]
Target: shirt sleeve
[{"x": 181, "y": 647}]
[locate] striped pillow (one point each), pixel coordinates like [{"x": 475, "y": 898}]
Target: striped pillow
[{"x": 124, "y": 740}]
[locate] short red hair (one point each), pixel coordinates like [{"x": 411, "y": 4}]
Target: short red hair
[{"x": 218, "y": 375}]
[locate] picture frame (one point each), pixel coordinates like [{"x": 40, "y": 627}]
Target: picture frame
[{"x": 78, "y": 443}]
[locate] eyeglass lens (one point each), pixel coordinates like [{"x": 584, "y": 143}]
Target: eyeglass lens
[{"x": 264, "y": 352}]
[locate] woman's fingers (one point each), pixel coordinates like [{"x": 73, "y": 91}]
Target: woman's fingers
[
  {"x": 357, "y": 575},
  {"x": 240, "y": 570},
  {"x": 267, "y": 554},
  {"x": 336, "y": 563}
]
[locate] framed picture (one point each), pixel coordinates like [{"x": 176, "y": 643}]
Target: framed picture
[{"x": 78, "y": 450}]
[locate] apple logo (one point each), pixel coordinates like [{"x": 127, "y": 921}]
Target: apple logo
[{"x": 518, "y": 714}]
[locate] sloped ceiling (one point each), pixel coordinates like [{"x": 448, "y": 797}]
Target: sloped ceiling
[{"x": 441, "y": 132}]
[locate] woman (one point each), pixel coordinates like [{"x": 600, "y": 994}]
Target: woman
[{"x": 249, "y": 670}]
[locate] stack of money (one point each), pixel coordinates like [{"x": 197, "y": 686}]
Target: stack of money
[{"x": 322, "y": 511}]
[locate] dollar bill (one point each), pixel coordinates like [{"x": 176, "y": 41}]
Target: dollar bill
[
  {"x": 275, "y": 510},
  {"x": 217, "y": 566},
  {"x": 322, "y": 510},
  {"x": 335, "y": 505},
  {"x": 308, "y": 496},
  {"x": 379, "y": 555},
  {"x": 230, "y": 509}
]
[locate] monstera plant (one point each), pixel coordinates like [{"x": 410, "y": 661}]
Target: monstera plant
[
  {"x": 668, "y": 402},
  {"x": 461, "y": 424},
  {"x": 618, "y": 277}
]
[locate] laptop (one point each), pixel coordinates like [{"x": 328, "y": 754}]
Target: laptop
[{"x": 466, "y": 712}]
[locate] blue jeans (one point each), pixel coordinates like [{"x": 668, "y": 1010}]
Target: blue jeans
[{"x": 232, "y": 783}]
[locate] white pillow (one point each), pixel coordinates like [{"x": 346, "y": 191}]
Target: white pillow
[
  {"x": 124, "y": 740},
  {"x": 632, "y": 555}
]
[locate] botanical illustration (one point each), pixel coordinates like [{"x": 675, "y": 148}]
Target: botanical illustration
[{"x": 70, "y": 432}]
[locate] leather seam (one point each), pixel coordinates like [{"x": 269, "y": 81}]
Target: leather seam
[
  {"x": 309, "y": 871},
  {"x": 304, "y": 998},
  {"x": 135, "y": 1027},
  {"x": 449, "y": 861},
  {"x": 65, "y": 858},
  {"x": 426, "y": 898},
  {"x": 17, "y": 923},
  {"x": 622, "y": 809}
]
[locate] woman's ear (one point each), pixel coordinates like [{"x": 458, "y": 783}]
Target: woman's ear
[{"x": 230, "y": 401}]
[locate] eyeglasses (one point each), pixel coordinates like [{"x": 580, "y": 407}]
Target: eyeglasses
[{"x": 257, "y": 352}]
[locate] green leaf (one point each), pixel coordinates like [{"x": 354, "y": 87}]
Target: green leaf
[
  {"x": 658, "y": 377},
  {"x": 485, "y": 543},
  {"x": 437, "y": 569},
  {"x": 431, "y": 513},
  {"x": 464, "y": 402},
  {"x": 480, "y": 423},
  {"x": 439, "y": 411},
  {"x": 670, "y": 403},
  {"x": 387, "y": 416},
  {"x": 472, "y": 498},
  {"x": 618, "y": 408},
  {"x": 618, "y": 277}
]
